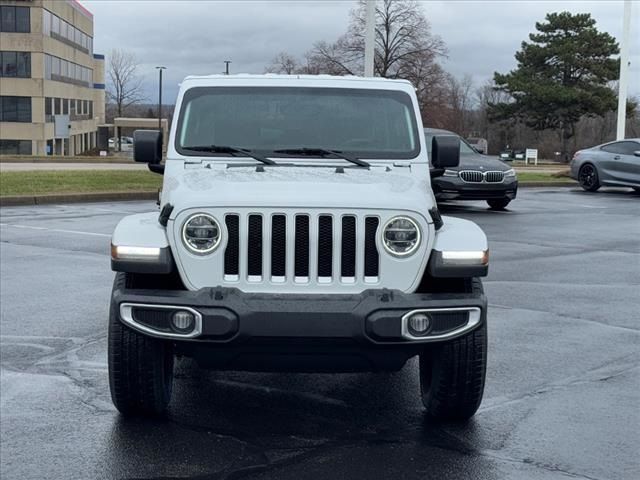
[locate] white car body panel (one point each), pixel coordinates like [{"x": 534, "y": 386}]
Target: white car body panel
[{"x": 226, "y": 184}]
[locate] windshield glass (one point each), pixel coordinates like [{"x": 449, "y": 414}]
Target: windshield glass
[
  {"x": 465, "y": 148},
  {"x": 361, "y": 123}
]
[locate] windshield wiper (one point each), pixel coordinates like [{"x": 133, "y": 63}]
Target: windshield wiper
[
  {"x": 322, "y": 152},
  {"x": 230, "y": 150}
]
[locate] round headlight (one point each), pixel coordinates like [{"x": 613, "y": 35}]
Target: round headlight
[
  {"x": 201, "y": 233},
  {"x": 401, "y": 236}
]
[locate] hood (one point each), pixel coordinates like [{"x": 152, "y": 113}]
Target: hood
[
  {"x": 219, "y": 184},
  {"x": 475, "y": 161}
]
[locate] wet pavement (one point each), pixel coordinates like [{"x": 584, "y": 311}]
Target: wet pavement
[{"x": 563, "y": 388}]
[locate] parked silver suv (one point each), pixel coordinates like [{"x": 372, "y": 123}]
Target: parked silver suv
[{"x": 297, "y": 231}]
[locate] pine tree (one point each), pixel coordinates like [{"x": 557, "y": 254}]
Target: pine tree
[{"x": 561, "y": 76}]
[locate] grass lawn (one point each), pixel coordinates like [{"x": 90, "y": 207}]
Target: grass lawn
[
  {"x": 77, "y": 181},
  {"x": 87, "y": 181},
  {"x": 544, "y": 177}
]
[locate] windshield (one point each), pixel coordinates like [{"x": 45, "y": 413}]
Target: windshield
[
  {"x": 465, "y": 148},
  {"x": 358, "y": 122}
]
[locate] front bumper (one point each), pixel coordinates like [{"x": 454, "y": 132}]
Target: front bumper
[
  {"x": 454, "y": 188},
  {"x": 243, "y": 331}
]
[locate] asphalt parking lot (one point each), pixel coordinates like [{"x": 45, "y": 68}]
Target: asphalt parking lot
[{"x": 563, "y": 387}]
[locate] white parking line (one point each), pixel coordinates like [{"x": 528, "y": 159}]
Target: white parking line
[{"x": 57, "y": 230}]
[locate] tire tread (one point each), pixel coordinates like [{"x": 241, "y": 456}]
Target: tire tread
[
  {"x": 452, "y": 376},
  {"x": 140, "y": 367}
]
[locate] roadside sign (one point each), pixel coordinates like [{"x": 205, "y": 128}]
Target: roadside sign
[
  {"x": 531, "y": 154},
  {"x": 61, "y": 126}
]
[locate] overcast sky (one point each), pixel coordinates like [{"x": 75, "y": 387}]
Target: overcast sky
[{"x": 195, "y": 37}]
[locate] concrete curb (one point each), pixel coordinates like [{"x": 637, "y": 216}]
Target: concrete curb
[{"x": 19, "y": 200}]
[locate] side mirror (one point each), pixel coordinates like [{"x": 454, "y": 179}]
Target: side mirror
[
  {"x": 147, "y": 146},
  {"x": 636, "y": 153},
  {"x": 445, "y": 151}
]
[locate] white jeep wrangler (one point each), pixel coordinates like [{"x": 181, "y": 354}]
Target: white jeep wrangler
[{"x": 298, "y": 231}]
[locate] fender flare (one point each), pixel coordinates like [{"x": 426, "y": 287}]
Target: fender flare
[
  {"x": 141, "y": 230},
  {"x": 459, "y": 235}
]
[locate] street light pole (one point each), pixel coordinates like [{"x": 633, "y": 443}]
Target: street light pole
[
  {"x": 160, "y": 98},
  {"x": 369, "y": 37},
  {"x": 226, "y": 65},
  {"x": 624, "y": 72}
]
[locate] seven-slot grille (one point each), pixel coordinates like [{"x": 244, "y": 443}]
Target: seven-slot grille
[
  {"x": 475, "y": 176},
  {"x": 322, "y": 248}
]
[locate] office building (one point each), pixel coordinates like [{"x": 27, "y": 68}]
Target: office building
[{"x": 52, "y": 92}]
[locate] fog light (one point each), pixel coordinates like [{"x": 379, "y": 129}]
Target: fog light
[
  {"x": 183, "y": 321},
  {"x": 419, "y": 324}
]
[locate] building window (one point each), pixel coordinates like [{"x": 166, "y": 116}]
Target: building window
[
  {"x": 15, "y": 19},
  {"x": 15, "y": 147},
  {"x": 15, "y": 109},
  {"x": 57, "y": 110},
  {"x": 15, "y": 64},
  {"x": 63, "y": 71},
  {"x": 48, "y": 110},
  {"x": 56, "y": 27},
  {"x": 46, "y": 22}
]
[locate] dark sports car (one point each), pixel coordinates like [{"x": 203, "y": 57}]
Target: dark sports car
[{"x": 478, "y": 177}]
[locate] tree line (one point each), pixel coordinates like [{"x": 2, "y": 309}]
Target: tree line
[{"x": 560, "y": 97}]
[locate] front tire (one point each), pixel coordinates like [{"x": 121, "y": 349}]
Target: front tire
[
  {"x": 588, "y": 178},
  {"x": 498, "y": 203},
  {"x": 140, "y": 367},
  {"x": 452, "y": 375}
]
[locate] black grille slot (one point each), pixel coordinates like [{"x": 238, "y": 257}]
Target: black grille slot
[
  {"x": 444, "y": 322},
  {"x": 325, "y": 245},
  {"x": 254, "y": 246},
  {"x": 494, "y": 177},
  {"x": 371, "y": 260},
  {"x": 278, "y": 245},
  {"x": 471, "y": 176},
  {"x": 348, "y": 246},
  {"x": 302, "y": 246},
  {"x": 158, "y": 319},
  {"x": 232, "y": 253}
]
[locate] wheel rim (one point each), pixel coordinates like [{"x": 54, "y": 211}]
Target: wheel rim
[{"x": 588, "y": 176}]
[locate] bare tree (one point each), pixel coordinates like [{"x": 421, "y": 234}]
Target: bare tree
[
  {"x": 335, "y": 58},
  {"x": 125, "y": 86},
  {"x": 403, "y": 39},
  {"x": 283, "y": 63}
]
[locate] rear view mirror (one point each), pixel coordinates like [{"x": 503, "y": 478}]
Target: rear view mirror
[
  {"x": 147, "y": 146},
  {"x": 445, "y": 151}
]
